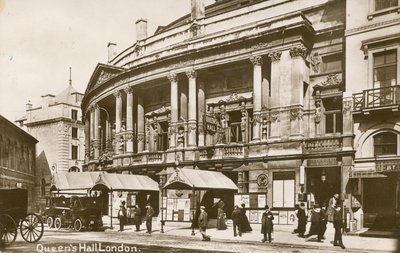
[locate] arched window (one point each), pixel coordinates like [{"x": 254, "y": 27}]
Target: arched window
[
  {"x": 385, "y": 144},
  {"x": 43, "y": 187}
]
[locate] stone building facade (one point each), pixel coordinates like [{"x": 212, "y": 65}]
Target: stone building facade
[
  {"x": 372, "y": 83},
  {"x": 17, "y": 160},
  {"x": 252, "y": 89}
]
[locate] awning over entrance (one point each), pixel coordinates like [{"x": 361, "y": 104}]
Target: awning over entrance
[
  {"x": 200, "y": 180},
  {"x": 93, "y": 180}
]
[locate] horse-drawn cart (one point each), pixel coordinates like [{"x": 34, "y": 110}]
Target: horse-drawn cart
[{"x": 13, "y": 214}]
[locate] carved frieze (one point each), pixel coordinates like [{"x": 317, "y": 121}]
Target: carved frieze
[
  {"x": 128, "y": 90},
  {"x": 104, "y": 76},
  {"x": 332, "y": 80}
]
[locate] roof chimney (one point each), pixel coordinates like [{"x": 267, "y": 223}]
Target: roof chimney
[
  {"x": 112, "y": 51},
  {"x": 198, "y": 9},
  {"x": 28, "y": 105},
  {"x": 141, "y": 29}
]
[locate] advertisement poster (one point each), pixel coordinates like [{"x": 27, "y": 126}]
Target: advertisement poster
[
  {"x": 283, "y": 217},
  {"x": 238, "y": 200},
  {"x": 261, "y": 201},
  {"x": 253, "y": 218},
  {"x": 246, "y": 200},
  {"x": 292, "y": 217}
]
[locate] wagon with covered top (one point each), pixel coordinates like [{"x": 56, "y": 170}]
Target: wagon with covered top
[{"x": 14, "y": 214}]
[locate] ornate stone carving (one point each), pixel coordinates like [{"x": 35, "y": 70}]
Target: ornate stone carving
[
  {"x": 140, "y": 137},
  {"x": 192, "y": 127},
  {"x": 317, "y": 111},
  {"x": 332, "y": 80},
  {"x": 191, "y": 73},
  {"x": 139, "y": 50},
  {"x": 260, "y": 45},
  {"x": 274, "y": 116},
  {"x": 117, "y": 94},
  {"x": 275, "y": 56},
  {"x": 315, "y": 61},
  {"x": 129, "y": 137},
  {"x": 296, "y": 114},
  {"x": 256, "y": 60},
  {"x": 195, "y": 29},
  {"x": 298, "y": 51},
  {"x": 173, "y": 77},
  {"x": 243, "y": 121},
  {"x": 128, "y": 90},
  {"x": 256, "y": 118},
  {"x": 104, "y": 76},
  {"x": 347, "y": 105}
]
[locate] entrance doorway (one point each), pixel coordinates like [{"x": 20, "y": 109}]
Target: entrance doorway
[
  {"x": 379, "y": 202},
  {"x": 323, "y": 183}
]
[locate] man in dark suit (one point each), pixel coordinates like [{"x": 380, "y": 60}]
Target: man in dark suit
[
  {"x": 122, "y": 216},
  {"x": 148, "y": 217},
  {"x": 236, "y": 219},
  {"x": 137, "y": 217},
  {"x": 302, "y": 217},
  {"x": 266, "y": 224},
  {"x": 203, "y": 220},
  {"x": 338, "y": 224}
]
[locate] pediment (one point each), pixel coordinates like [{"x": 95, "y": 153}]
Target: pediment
[{"x": 103, "y": 73}]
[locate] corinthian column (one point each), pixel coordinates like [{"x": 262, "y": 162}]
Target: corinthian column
[
  {"x": 129, "y": 120},
  {"x": 118, "y": 111},
  {"x": 87, "y": 137},
  {"x": 173, "y": 78},
  {"x": 96, "y": 131},
  {"x": 192, "y": 114},
  {"x": 257, "y": 95},
  {"x": 140, "y": 124}
]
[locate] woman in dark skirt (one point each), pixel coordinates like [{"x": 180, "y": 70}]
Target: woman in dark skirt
[{"x": 245, "y": 225}]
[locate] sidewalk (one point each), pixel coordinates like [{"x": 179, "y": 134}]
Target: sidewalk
[{"x": 282, "y": 236}]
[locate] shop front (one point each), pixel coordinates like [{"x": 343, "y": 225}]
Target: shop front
[{"x": 187, "y": 189}]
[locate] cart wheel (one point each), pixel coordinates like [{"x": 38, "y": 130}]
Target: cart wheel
[
  {"x": 77, "y": 225},
  {"x": 8, "y": 230},
  {"x": 50, "y": 222},
  {"x": 57, "y": 223},
  {"x": 31, "y": 228}
]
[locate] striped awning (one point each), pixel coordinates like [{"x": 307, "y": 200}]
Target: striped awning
[
  {"x": 112, "y": 181},
  {"x": 200, "y": 180}
]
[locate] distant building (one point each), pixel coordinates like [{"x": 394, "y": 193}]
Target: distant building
[
  {"x": 17, "y": 160},
  {"x": 58, "y": 126}
]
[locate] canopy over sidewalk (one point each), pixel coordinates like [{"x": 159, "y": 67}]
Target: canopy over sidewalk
[
  {"x": 94, "y": 180},
  {"x": 200, "y": 180}
]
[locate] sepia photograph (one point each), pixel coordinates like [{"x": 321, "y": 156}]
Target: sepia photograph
[{"x": 175, "y": 126}]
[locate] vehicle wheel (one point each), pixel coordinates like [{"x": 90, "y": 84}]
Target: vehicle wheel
[
  {"x": 50, "y": 222},
  {"x": 8, "y": 230},
  {"x": 77, "y": 225},
  {"x": 57, "y": 223},
  {"x": 31, "y": 228}
]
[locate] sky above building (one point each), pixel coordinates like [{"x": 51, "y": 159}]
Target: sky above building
[{"x": 41, "y": 39}]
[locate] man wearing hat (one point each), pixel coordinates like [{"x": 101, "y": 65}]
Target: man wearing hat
[
  {"x": 316, "y": 222},
  {"x": 122, "y": 216},
  {"x": 266, "y": 224},
  {"x": 236, "y": 219},
  {"x": 203, "y": 219},
  {"x": 148, "y": 217}
]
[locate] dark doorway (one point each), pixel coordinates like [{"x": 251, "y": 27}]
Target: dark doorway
[
  {"x": 379, "y": 202},
  {"x": 323, "y": 183}
]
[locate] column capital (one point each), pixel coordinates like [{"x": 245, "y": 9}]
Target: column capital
[
  {"x": 275, "y": 56},
  {"x": 191, "y": 73},
  {"x": 173, "y": 77},
  {"x": 117, "y": 94},
  {"x": 298, "y": 51},
  {"x": 256, "y": 59},
  {"x": 128, "y": 90}
]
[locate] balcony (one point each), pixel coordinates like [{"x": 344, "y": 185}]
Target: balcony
[
  {"x": 377, "y": 99},
  {"x": 323, "y": 144}
]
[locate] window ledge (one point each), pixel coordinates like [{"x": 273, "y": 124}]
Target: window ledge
[{"x": 383, "y": 12}]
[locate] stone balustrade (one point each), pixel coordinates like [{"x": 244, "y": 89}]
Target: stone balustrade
[{"x": 323, "y": 144}]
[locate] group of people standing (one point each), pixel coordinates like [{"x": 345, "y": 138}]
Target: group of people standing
[
  {"x": 320, "y": 216},
  {"x": 137, "y": 217}
]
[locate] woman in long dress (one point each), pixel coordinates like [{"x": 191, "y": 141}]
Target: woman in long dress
[
  {"x": 221, "y": 225},
  {"x": 245, "y": 225}
]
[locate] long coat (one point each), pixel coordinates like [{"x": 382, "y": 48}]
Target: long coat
[
  {"x": 316, "y": 222},
  {"x": 149, "y": 214},
  {"x": 221, "y": 219},
  {"x": 203, "y": 219},
  {"x": 301, "y": 215},
  {"x": 266, "y": 222},
  {"x": 122, "y": 214},
  {"x": 337, "y": 219},
  {"x": 137, "y": 218}
]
